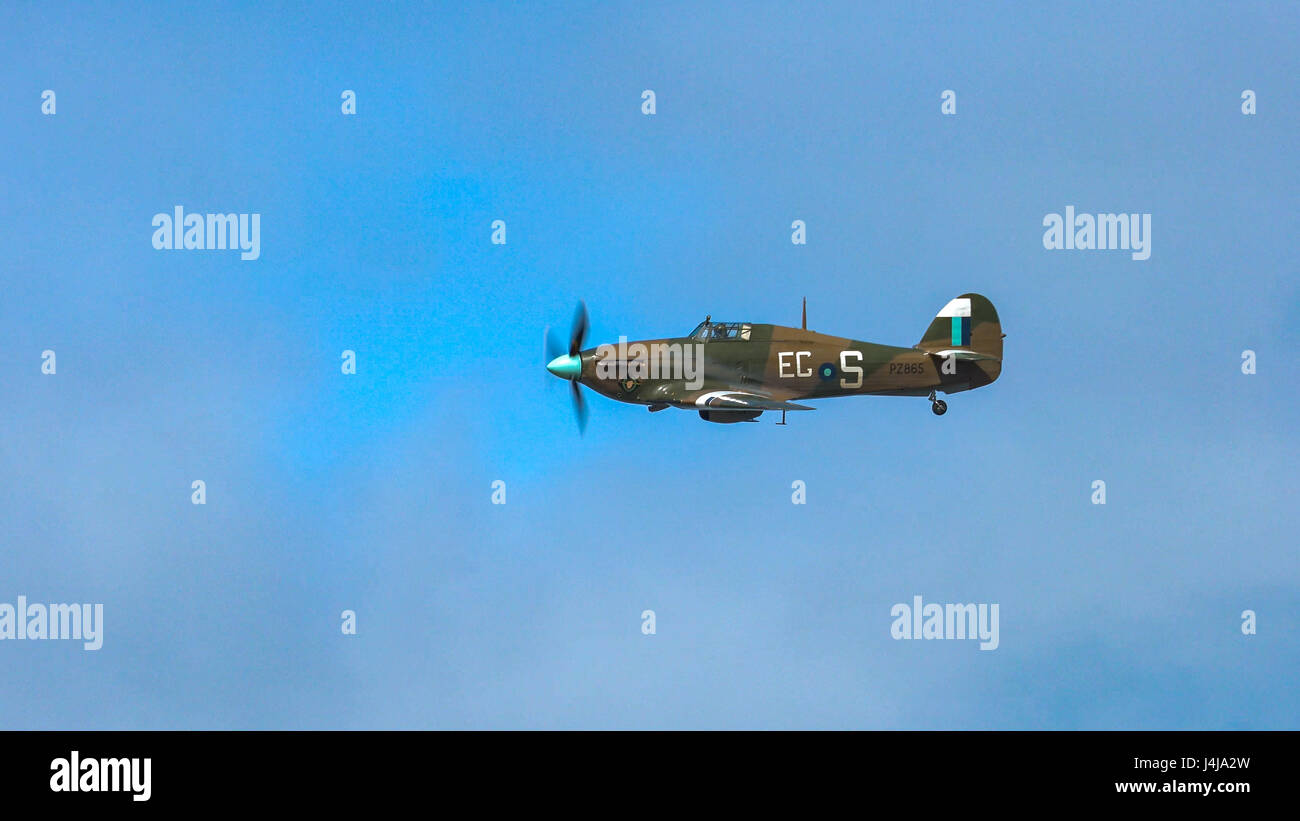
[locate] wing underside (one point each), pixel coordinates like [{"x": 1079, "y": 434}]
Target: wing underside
[{"x": 741, "y": 400}]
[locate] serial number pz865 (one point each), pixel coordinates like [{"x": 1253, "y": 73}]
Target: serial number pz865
[{"x": 906, "y": 368}]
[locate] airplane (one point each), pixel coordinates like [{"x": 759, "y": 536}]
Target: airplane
[{"x": 736, "y": 371}]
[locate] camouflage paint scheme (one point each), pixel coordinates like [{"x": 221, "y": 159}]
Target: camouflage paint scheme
[{"x": 776, "y": 365}]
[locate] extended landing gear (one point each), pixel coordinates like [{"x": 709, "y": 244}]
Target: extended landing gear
[
  {"x": 939, "y": 406},
  {"x": 782, "y": 422}
]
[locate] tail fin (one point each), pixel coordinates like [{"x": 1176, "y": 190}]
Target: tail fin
[{"x": 967, "y": 327}]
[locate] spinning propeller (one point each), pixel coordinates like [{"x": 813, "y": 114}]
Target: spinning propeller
[{"x": 569, "y": 365}]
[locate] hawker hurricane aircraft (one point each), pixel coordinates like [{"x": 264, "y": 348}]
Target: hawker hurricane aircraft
[{"x": 734, "y": 371}]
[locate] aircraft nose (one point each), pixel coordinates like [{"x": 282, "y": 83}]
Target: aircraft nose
[{"x": 565, "y": 366}]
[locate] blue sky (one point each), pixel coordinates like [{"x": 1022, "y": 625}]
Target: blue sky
[{"x": 372, "y": 492}]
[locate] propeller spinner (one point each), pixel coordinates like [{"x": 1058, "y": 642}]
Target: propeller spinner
[{"x": 569, "y": 365}]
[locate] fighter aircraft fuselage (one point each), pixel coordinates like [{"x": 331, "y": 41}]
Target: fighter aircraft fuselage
[{"x": 734, "y": 371}]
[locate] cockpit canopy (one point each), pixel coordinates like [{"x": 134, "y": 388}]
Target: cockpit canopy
[{"x": 720, "y": 330}]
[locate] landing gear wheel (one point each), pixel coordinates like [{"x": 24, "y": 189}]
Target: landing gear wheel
[{"x": 939, "y": 407}]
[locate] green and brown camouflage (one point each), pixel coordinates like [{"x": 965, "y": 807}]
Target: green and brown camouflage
[{"x": 749, "y": 368}]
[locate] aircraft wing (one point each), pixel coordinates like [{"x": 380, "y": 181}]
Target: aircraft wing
[{"x": 740, "y": 400}]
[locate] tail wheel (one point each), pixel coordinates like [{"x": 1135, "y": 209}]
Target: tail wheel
[{"x": 939, "y": 407}]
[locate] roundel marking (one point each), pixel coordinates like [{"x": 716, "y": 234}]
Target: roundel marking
[{"x": 826, "y": 371}]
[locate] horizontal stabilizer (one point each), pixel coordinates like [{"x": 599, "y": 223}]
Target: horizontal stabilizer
[{"x": 965, "y": 355}]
